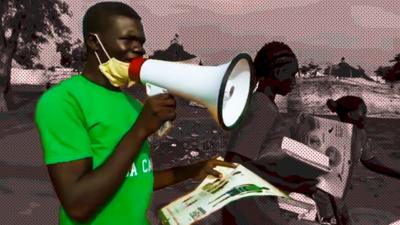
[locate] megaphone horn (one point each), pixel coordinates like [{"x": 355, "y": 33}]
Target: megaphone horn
[{"x": 225, "y": 89}]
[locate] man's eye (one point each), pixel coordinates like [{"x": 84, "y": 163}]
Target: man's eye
[
  {"x": 132, "y": 39},
  {"x": 129, "y": 38}
]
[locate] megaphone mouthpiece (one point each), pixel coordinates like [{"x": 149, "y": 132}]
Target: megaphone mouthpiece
[{"x": 134, "y": 68}]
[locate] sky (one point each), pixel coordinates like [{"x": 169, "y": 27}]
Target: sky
[{"x": 365, "y": 32}]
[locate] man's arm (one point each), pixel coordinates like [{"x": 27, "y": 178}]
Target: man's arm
[
  {"x": 382, "y": 164},
  {"x": 379, "y": 163},
  {"x": 82, "y": 190}
]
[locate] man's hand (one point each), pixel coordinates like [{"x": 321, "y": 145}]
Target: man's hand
[
  {"x": 197, "y": 171},
  {"x": 202, "y": 169},
  {"x": 157, "y": 109},
  {"x": 367, "y": 154}
]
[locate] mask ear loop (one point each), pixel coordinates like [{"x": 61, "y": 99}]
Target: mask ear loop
[
  {"x": 97, "y": 56},
  {"x": 256, "y": 87},
  {"x": 102, "y": 47}
]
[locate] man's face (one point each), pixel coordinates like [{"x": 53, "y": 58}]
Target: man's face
[
  {"x": 124, "y": 39},
  {"x": 285, "y": 72}
]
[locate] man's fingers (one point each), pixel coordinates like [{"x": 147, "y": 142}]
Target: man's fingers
[
  {"x": 168, "y": 114},
  {"x": 164, "y": 99},
  {"x": 224, "y": 163},
  {"x": 217, "y": 162},
  {"x": 163, "y": 96},
  {"x": 214, "y": 173},
  {"x": 171, "y": 116},
  {"x": 168, "y": 102}
]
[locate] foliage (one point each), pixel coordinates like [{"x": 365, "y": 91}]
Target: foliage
[
  {"x": 26, "y": 24},
  {"x": 390, "y": 73},
  {"x": 72, "y": 55}
]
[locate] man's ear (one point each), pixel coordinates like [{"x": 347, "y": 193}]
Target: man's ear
[{"x": 92, "y": 42}]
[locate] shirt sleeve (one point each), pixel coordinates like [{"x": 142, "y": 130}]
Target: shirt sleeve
[
  {"x": 61, "y": 127},
  {"x": 248, "y": 138}
]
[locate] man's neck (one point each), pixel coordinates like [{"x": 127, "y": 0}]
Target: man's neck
[{"x": 268, "y": 91}]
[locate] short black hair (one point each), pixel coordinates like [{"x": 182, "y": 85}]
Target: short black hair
[
  {"x": 265, "y": 59},
  {"x": 96, "y": 17}
]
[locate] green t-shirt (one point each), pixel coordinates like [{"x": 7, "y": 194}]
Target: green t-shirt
[{"x": 79, "y": 119}]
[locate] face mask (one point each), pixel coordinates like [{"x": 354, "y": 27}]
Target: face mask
[{"x": 117, "y": 72}]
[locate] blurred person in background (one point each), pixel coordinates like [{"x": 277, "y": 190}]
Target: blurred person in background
[{"x": 256, "y": 142}]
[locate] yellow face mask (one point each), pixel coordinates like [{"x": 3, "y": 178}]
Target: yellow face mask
[{"x": 117, "y": 72}]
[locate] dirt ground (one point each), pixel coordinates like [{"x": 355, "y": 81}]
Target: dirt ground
[{"x": 27, "y": 197}]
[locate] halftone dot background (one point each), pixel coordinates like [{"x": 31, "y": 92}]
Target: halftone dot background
[{"x": 366, "y": 33}]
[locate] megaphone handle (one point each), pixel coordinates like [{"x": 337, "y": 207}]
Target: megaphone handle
[
  {"x": 164, "y": 129},
  {"x": 151, "y": 90}
]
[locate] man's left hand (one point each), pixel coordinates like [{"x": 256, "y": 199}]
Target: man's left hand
[{"x": 202, "y": 169}]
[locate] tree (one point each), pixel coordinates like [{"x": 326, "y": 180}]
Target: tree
[
  {"x": 24, "y": 26},
  {"x": 64, "y": 48},
  {"x": 382, "y": 71},
  {"x": 304, "y": 69},
  {"x": 396, "y": 59},
  {"x": 390, "y": 73},
  {"x": 311, "y": 68},
  {"x": 393, "y": 74},
  {"x": 315, "y": 68},
  {"x": 175, "y": 52},
  {"x": 78, "y": 53},
  {"x": 39, "y": 66},
  {"x": 72, "y": 55}
]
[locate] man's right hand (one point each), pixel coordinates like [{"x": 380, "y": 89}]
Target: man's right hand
[{"x": 156, "y": 111}]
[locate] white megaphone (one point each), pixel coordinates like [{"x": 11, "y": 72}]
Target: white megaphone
[{"x": 225, "y": 89}]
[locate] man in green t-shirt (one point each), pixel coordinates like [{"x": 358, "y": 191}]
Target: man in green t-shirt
[{"x": 94, "y": 135}]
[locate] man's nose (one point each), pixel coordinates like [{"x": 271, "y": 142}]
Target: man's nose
[{"x": 139, "y": 50}]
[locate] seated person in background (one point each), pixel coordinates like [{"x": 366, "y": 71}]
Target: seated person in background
[
  {"x": 380, "y": 163},
  {"x": 256, "y": 142}
]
